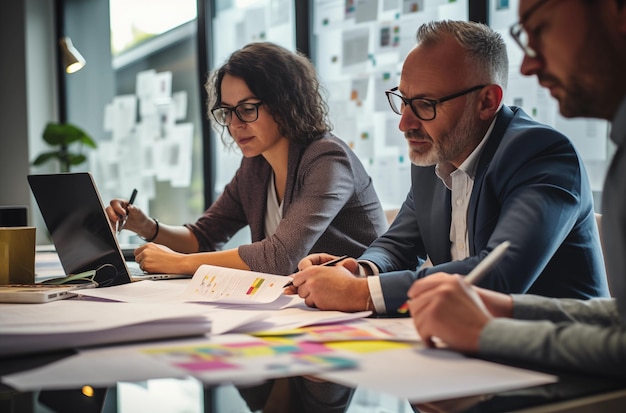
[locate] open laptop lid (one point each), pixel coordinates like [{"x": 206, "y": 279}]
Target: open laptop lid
[{"x": 74, "y": 214}]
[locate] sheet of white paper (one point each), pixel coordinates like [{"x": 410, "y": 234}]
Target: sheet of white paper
[
  {"x": 98, "y": 368},
  {"x": 401, "y": 328},
  {"x": 290, "y": 318},
  {"x": 419, "y": 374},
  {"x": 146, "y": 291},
  {"x": 162, "y": 86},
  {"x": 383, "y": 81},
  {"x": 182, "y": 134},
  {"x": 170, "y": 291},
  {"x": 284, "y": 313},
  {"x": 180, "y": 104},
  {"x": 355, "y": 46},
  {"x": 227, "y": 285},
  {"x": 255, "y": 24},
  {"x": 69, "y": 316},
  {"x": 124, "y": 115},
  {"x": 229, "y": 320},
  {"x": 106, "y": 366},
  {"x": 240, "y": 359},
  {"x": 366, "y": 11},
  {"x": 145, "y": 84},
  {"x": 29, "y": 328},
  {"x": 422, "y": 375}
]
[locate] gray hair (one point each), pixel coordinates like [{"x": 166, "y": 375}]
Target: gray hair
[{"x": 485, "y": 50}]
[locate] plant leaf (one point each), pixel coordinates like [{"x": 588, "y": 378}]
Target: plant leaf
[
  {"x": 45, "y": 157},
  {"x": 76, "y": 159},
  {"x": 64, "y": 134},
  {"x": 86, "y": 140}
]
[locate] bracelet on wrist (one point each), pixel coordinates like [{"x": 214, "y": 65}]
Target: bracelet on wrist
[{"x": 156, "y": 232}]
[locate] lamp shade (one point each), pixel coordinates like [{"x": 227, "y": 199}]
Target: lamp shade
[{"x": 73, "y": 61}]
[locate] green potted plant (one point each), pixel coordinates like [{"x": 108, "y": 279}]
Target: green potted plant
[{"x": 62, "y": 135}]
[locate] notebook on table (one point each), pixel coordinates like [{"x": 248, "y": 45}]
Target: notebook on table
[{"x": 75, "y": 217}]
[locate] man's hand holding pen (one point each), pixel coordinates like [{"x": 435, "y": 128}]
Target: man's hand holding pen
[
  {"x": 318, "y": 259},
  {"x": 346, "y": 292}
]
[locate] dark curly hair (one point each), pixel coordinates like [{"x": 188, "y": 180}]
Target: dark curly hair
[{"x": 287, "y": 84}]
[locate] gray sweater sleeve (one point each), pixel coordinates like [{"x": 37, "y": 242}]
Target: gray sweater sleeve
[{"x": 565, "y": 334}]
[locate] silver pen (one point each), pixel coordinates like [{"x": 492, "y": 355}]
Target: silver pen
[{"x": 487, "y": 264}]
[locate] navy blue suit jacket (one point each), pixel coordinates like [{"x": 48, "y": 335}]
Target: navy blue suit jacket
[{"x": 531, "y": 189}]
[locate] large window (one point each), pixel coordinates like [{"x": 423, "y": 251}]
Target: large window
[
  {"x": 135, "y": 21},
  {"x": 139, "y": 96}
]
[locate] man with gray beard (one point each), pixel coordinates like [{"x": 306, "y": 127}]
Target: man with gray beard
[{"x": 483, "y": 173}]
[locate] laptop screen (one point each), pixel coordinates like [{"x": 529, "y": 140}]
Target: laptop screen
[{"x": 73, "y": 212}]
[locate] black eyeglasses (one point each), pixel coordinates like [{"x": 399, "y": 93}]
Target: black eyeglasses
[
  {"x": 246, "y": 112},
  {"x": 519, "y": 33},
  {"x": 423, "y": 108}
]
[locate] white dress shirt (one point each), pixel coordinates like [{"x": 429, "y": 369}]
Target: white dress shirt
[{"x": 460, "y": 182}]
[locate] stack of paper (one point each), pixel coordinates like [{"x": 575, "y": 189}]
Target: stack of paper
[
  {"x": 29, "y": 328},
  {"x": 217, "y": 300}
]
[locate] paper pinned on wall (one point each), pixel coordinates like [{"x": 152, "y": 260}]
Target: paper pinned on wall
[
  {"x": 255, "y": 25},
  {"x": 388, "y": 37},
  {"x": 366, "y": 11},
  {"x": 383, "y": 81},
  {"x": 144, "y": 84},
  {"x": 179, "y": 101},
  {"x": 355, "y": 46},
  {"x": 412, "y": 6},
  {"x": 182, "y": 157},
  {"x": 124, "y": 114}
]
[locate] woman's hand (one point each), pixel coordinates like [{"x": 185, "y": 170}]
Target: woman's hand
[
  {"x": 156, "y": 258},
  {"x": 119, "y": 210}
]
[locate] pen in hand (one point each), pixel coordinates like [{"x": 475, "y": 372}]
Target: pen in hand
[
  {"x": 130, "y": 202},
  {"x": 479, "y": 270},
  {"x": 487, "y": 264},
  {"x": 327, "y": 263}
]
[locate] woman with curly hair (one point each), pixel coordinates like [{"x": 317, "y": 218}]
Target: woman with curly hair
[{"x": 299, "y": 188}]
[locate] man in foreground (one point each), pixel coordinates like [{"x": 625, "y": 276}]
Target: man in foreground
[{"x": 577, "y": 49}]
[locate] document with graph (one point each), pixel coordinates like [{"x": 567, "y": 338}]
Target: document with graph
[{"x": 227, "y": 285}]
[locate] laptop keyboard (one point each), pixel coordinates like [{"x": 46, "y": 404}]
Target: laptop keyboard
[{"x": 135, "y": 271}]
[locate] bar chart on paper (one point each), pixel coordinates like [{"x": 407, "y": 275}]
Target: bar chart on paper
[{"x": 227, "y": 285}]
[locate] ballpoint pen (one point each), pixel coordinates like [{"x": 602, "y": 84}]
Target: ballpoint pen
[
  {"x": 327, "y": 263},
  {"x": 130, "y": 202}
]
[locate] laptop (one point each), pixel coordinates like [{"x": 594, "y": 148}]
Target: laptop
[
  {"x": 75, "y": 217},
  {"x": 35, "y": 293}
]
